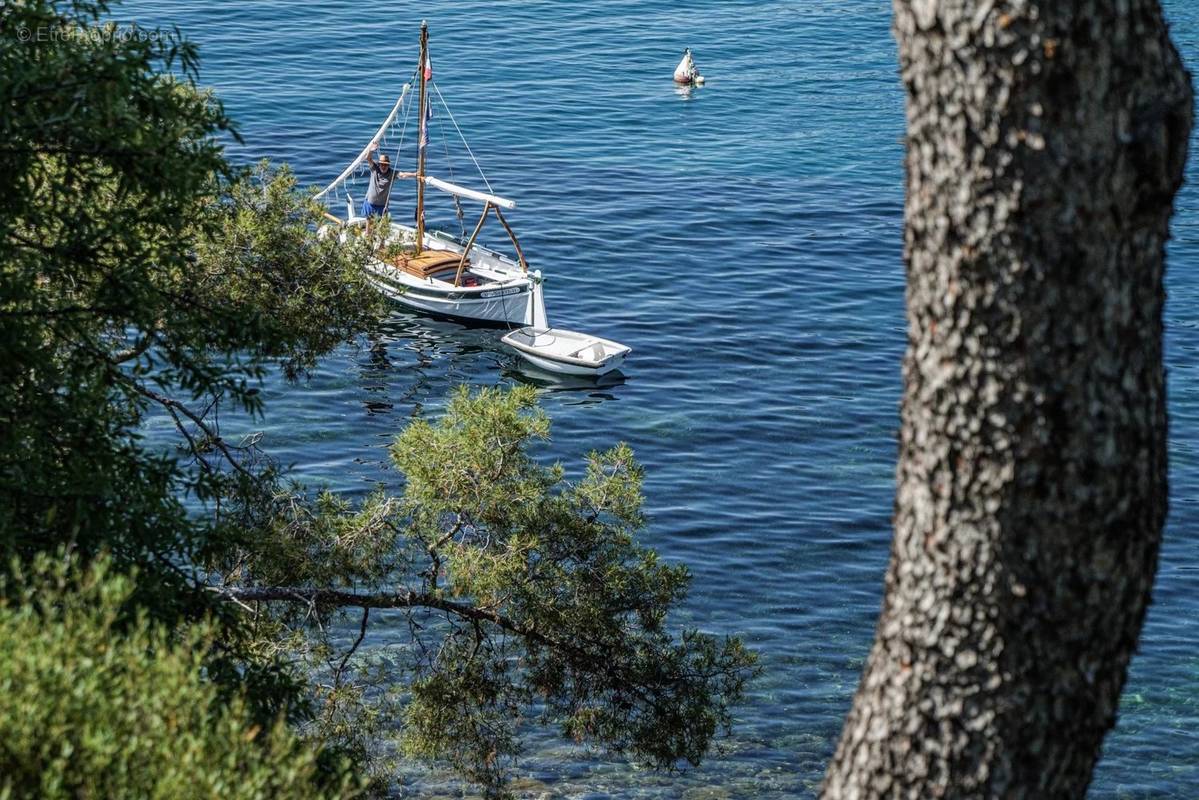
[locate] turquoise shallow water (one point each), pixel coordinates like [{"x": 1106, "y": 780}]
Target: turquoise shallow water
[{"x": 744, "y": 239}]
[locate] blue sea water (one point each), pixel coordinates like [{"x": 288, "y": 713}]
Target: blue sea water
[{"x": 744, "y": 239}]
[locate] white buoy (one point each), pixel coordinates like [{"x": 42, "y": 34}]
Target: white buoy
[{"x": 686, "y": 73}]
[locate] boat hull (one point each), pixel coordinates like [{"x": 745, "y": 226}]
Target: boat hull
[
  {"x": 559, "y": 368},
  {"x": 508, "y": 304},
  {"x": 506, "y": 299}
]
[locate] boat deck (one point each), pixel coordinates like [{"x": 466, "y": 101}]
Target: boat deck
[{"x": 427, "y": 263}]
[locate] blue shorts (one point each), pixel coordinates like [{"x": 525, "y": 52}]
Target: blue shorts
[{"x": 372, "y": 210}]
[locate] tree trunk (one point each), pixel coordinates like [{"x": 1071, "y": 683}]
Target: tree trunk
[{"x": 1046, "y": 141}]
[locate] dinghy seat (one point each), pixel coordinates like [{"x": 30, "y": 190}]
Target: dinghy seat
[
  {"x": 427, "y": 263},
  {"x": 592, "y": 352}
]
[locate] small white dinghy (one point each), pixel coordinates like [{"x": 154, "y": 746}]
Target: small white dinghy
[
  {"x": 561, "y": 351},
  {"x": 566, "y": 352}
]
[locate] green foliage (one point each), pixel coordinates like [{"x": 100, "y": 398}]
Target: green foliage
[
  {"x": 141, "y": 273},
  {"x": 527, "y": 597},
  {"x": 286, "y": 294},
  {"x": 104, "y": 160},
  {"x": 94, "y": 703}
]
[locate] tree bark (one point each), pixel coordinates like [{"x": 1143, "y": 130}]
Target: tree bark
[{"x": 1046, "y": 141}]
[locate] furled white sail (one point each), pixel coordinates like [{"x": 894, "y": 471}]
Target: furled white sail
[
  {"x": 395, "y": 110},
  {"x": 462, "y": 191}
]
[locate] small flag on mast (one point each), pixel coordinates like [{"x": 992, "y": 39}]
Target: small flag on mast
[{"x": 424, "y": 128}]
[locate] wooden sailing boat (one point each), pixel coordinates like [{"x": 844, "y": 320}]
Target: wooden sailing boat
[
  {"x": 433, "y": 271},
  {"x": 447, "y": 276}
]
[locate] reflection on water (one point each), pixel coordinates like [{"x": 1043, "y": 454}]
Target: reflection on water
[
  {"x": 411, "y": 356},
  {"x": 592, "y": 389}
]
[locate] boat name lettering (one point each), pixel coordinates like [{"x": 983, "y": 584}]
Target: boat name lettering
[{"x": 501, "y": 292}]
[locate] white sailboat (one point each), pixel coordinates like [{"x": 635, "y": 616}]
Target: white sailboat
[
  {"x": 434, "y": 271},
  {"x": 455, "y": 277}
]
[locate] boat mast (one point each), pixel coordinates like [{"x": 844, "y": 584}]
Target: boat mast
[{"x": 423, "y": 141}]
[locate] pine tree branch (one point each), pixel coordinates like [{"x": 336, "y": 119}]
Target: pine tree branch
[
  {"x": 404, "y": 599},
  {"x": 602, "y": 663},
  {"x": 366, "y": 612},
  {"x": 173, "y": 405}
]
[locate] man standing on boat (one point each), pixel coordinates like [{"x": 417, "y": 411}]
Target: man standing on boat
[{"x": 377, "y": 195}]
